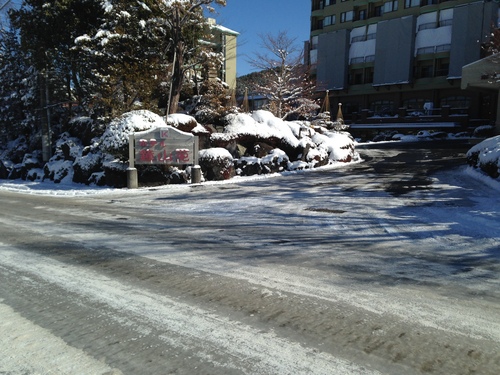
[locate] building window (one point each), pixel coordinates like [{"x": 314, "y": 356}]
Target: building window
[
  {"x": 391, "y": 6},
  {"x": 442, "y": 67},
  {"x": 356, "y": 77},
  {"x": 456, "y": 101},
  {"x": 412, "y": 3},
  {"x": 426, "y": 50},
  {"x": 317, "y": 4},
  {"x": 443, "y": 48},
  {"x": 362, "y": 14},
  {"x": 447, "y": 22},
  {"x": 329, "y": 20},
  {"x": 346, "y": 16},
  {"x": 316, "y": 24},
  {"x": 427, "y": 26},
  {"x": 369, "y": 72},
  {"x": 428, "y": 2},
  {"x": 415, "y": 104},
  {"x": 330, "y": 2},
  {"x": 382, "y": 108},
  {"x": 424, "y": 69},
  {"x": 377, "y": 11}
]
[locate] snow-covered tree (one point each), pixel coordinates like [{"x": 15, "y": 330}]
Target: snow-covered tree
[
  {"x": 285, "y": 80},
  {"x": 125, "y": 56},
  {"x": 47, "y": 32},
  {"x": 18, "y": 99},
  {"x": 186, "y": 28}
]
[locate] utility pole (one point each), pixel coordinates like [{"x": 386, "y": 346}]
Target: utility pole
[{"x": 45, "y": 117}]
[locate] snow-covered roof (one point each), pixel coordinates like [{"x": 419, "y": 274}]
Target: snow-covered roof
[{"x": 225, "y": 30}]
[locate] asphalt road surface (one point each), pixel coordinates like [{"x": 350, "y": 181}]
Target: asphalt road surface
[{"x": 390, "y": 266}]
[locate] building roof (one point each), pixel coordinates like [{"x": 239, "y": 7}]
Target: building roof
[
  {"x": 222, "y": 29},
  {"x": 482, "y": 73}
]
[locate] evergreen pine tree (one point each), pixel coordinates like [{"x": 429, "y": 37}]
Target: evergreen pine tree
[{"x": 17, "y": 91}]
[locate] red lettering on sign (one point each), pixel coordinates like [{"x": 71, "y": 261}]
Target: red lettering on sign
[
  {"x": 182, "y": 154},
  {"x": 146, "y": 155}
]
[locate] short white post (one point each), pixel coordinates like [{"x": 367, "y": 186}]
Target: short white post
[{"x": 132, "y": 177}]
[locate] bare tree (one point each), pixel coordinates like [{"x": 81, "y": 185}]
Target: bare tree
[{"x": 286, "y": 80}]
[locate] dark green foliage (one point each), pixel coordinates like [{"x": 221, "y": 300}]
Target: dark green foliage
[{"x": 17, "y": 91}]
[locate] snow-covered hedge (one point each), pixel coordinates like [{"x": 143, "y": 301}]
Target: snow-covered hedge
[
  {"x": 486, "y": 156},
  {"x": 250, "y": 144},
  {"x": 117, "y": 133}
]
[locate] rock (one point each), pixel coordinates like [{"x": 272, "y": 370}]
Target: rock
[
  {"x": 260, "y": 149},
  {"x": 248, "y": 166},
  {"x": 275, "y": 161},
  {"x": 35, "y": 174}
]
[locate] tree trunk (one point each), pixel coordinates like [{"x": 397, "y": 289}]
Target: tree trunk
[{"x": 177, "y": 79}]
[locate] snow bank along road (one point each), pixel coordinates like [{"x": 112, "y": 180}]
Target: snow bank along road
[{"x": 390, "y": 266}]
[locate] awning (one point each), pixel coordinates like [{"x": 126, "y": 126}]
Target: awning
[{"x": 484, "y": 73}]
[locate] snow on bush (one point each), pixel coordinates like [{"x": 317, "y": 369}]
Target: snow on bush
[
  {"x": 339, "y": 145},
  {"x": 261, "y": 124},
  {"x": 216, "y": 153},
  {"x": 185, "y": 123},
  {"x": 117, "y": 133},
  {"x": 486, "y": 156},
  {"x": 216, "y": 163},
  {"x": 276, "y": 161},
  {"x": 59, "y": 171}
]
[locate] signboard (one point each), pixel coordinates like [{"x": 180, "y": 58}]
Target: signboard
[{"x": 166, "y": 145}]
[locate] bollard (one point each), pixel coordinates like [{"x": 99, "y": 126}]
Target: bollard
[
  {"x": 132, "y": 179},
  {"x": 195, "y": 174}
]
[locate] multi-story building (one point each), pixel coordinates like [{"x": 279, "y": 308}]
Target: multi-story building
[
  {"x": 397, "y": 57},
  {"x": 224, "y": 41}
]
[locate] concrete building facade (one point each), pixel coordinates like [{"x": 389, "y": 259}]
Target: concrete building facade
[{"x": 389, "y": 58}]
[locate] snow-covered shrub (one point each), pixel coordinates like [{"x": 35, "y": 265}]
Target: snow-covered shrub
[
  {"x": 15, "y": 150},
  {"x": 250, "y": 137},
  {"x": 484, "y": 131},
  {"x": 4, "y": 172},
  {"x": 115, "y": 172},
  {"x": 216, "y": 163},
  {"x": 260, "y": 126},
  {"x": 68, "y": 147},
  {"x": 486, "y": 156},
  {"x": 58, "y": 170},
  {"x": 115, "y": 139},
  {"x": 339, "y": 145},
  {"x": 185, "y": 123},
  {"x": 86, "y": 166},
  {"x": 35, "y": 174},
  {"x": 84, "y": 128},
  {"x": 275, "y": 161}
]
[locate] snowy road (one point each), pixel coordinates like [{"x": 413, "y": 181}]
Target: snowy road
[{"x": 376, "y": 268}]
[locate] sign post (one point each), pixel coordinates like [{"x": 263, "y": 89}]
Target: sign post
[{"x": 166, "y": 145}]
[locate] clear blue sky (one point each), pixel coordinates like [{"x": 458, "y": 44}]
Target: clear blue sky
[{"x": 254, "y": 17}]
